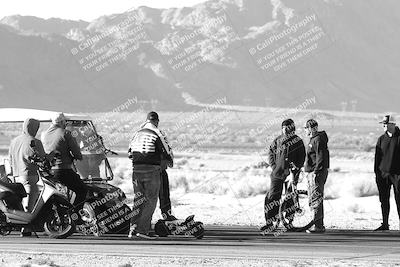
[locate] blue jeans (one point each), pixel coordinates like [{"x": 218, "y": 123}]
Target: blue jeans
[{"x": 146, "y": 185}]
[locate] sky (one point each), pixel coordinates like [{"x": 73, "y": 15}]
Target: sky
[{"x": 81, "y": 9}]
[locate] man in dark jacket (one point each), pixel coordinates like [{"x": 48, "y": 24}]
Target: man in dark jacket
[
  {"x": 146, "y": 150},
  {"x": 316, "y": 167},
  {"x": 387, "y": 167},
  {"x": 285, "y": 149},
  {"x": 58, "y": 139},
  {"x": 22, "y": 169}
]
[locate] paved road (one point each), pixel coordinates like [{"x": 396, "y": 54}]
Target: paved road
[{"x": 227, "y": 242}]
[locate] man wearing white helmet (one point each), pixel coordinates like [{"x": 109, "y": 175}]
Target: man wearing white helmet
[
  {"x": 57, "y": 138},
  {"x": 387, "y": 168}
]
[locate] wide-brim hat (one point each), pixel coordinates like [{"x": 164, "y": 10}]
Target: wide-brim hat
[{"x": 388, "y": 119}]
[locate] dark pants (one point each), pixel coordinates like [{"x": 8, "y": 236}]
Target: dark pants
[
  {"x": 272, "y": 199},
  {"x": 73, "y": 181},
  {"x": 384, "y": 183},
  {"x": 146, "y": 185},
  {"x": 316, "y": 184},
  {"x": 165, "y": 201}
]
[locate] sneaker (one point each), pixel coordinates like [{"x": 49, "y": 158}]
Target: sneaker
[
  {"x": 383, "y": 227},
  {"x": 26, "y": 234},
  {"x": 171, "y": 218},
  {"x": 316, "y": 230},
  {"x": 268, "y": 228},
  {"x": 146, "y": 237}
]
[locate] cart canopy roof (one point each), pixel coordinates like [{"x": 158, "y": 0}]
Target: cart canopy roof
[{"x": 21, "y": 114}]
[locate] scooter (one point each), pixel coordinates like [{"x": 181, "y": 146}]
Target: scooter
[{"x": 51, "y": 213}]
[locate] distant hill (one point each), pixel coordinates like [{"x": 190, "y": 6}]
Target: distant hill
[{"x": 357, "y": 68}]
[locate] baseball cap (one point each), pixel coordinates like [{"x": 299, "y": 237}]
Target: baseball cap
[
  {"x": 59, "y": 117},
  {"x": 152, "y": 116},
  {"x": 388, "y": 119}
]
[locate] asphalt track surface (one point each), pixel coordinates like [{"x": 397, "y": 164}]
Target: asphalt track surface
[{"x": 225, "y": 243}]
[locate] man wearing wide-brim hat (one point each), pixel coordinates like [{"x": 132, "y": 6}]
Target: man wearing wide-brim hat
[{"x": 387, "y": 167}]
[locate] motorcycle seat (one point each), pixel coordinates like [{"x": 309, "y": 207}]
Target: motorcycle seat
[{"x": 15, "y": 188}]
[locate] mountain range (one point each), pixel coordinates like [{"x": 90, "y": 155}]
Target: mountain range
[{"x": 159, "y": 56}]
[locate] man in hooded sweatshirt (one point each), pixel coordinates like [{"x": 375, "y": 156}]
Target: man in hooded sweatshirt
[
  {"x": 24, "y": 171},
  {"x": 316, "y": 167},
  {"x": 58, "y": 139},
  {"x": 387, "y": 168},
  {"x": 285, "y": 150}
]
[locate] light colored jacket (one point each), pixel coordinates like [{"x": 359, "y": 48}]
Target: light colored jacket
[
  {"x": 20, "y": 149},
  {"x": 61, "y": 140}
]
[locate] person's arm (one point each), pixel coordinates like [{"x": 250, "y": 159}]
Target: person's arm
[
  {"x": 301, "y": 154},
  {"x": 272, "y": 154},
  {"x": 164, "y": 154},
  {"x": 10, "y": 158},
  {"x": 378, "y": 158},
  {"x": 319, "y": 155},
  {"x": 73, "y": 146}
]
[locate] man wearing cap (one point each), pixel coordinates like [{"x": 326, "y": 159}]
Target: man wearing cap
[
  {"x": 147, "y": 149},
  {"x": 316, "y": 167},
  {"x": 58, "y": 139},
  {"x": 22, "y": 169},
  {"x": 387, "y": 168},
  {"x": 286, "y": 150}
]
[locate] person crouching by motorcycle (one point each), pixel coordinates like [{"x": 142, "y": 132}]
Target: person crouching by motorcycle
[
  {"x": 286, "y": 150},
  {"x": 146, "y": 150},
  {"x": 57, "y": 138},
  {"x": 22, "y": 169}
]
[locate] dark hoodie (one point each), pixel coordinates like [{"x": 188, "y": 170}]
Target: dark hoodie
[
  {"x": 317, "y": 157},
  {"x": 284, "y": 150},
  {"x": 20, "y": 149},
  {"x": 387, "y": 154}
]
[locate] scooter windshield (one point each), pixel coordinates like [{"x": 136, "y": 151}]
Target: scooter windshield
[{"x": 92, "y": 164}]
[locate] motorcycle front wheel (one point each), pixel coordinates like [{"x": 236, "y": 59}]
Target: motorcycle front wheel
[{"x": 59, "y": 223}]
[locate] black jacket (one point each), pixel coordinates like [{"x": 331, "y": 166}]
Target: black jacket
[
  {"x": 317, "y": 158},
  {"x": 283, "y": 151},
  {"x": 387, "y": 154},
  {"x": 146, "y": 148}
]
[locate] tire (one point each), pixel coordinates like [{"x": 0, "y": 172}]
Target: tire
[
  {"x": 59, "y": 223},
  {"x": 296, "y": 218}
]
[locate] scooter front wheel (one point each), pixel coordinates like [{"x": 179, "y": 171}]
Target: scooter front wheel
[{"x": 59, "y": 223}]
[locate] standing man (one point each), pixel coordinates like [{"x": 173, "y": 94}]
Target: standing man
[
  {"x": 387, "y": 168},
  {"x": 285, "y": 149},
  {"x": 57, "y": 138},
  {"x": 316, "y": 167},
  {"x": 164, "y": 196},
  {"x": 146, "y": 150},
  {"x": 22, "y": 169}
]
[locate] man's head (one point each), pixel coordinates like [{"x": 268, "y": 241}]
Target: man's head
[
  {"x": 389, "y": 123},
  {"x": 30, "y": 127},
  {"x": 288, "y": 127},
  {"x": 152, "y": 117},
  {"x": 59, "y": 120},
  {"x": 311, "y": 127}
]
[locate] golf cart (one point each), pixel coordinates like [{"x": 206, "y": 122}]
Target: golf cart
[{"x": 105, "y": 210}]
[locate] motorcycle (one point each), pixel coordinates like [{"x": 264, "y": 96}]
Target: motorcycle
[
  {"x": 51, "y": 213},
  {"x": 105, "y": 210}
]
